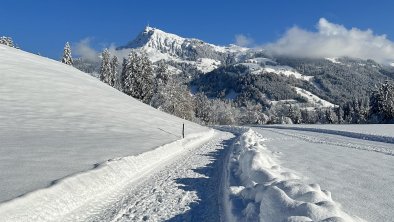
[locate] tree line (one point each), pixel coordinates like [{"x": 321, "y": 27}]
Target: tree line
[{"x": 377, "y": 108}]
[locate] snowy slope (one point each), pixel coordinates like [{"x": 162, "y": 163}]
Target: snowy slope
[
  {"x": 313, "y": 99},
  {"x": 287, "y": 71},
  {"x": 261, "y": 65},
  {"x": 56, "y": 121}
]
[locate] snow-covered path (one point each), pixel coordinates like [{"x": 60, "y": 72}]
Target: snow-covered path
[
  {"x": 359, "y": 173},
  {"x": 187, "y": 188}
]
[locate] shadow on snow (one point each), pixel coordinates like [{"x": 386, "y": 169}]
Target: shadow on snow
[{"x": 207, "y": 188}]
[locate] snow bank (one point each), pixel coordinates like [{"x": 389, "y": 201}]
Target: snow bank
[
  {"x": 237, "y": 130},
  {"x": 68, "y": 194},
  {"x": 260, "y": 190}
]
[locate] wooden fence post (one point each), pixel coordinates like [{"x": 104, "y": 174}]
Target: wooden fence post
[{"x": 183, "y": 130}]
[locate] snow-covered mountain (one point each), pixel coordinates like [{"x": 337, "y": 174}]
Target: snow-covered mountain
[{"x": 170, "y": 47}]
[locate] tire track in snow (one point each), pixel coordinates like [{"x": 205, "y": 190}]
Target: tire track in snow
[{"x": 186, "y": 189}]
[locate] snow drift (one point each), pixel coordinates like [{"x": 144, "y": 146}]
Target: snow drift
[
  {"x": 56, "y": 121},
  {"x": 260, "y": 190}
]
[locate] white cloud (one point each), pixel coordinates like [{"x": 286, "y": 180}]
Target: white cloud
[
  {"x": 243, "y": 40},
  {"x": 84, "y": 50},
  {"x": 333, "y": 40},
  {"x": 121, "y": 53}
]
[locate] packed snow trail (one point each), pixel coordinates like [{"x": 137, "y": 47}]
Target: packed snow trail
[
  {"x": 359, "y": 173},
  {"x": 260, "y": 189},
  {"x": 187, "y": 188}
]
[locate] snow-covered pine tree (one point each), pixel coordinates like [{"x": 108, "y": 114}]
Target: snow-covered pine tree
[
  {"x": 114, "y": 72},
  {"x": 340, "y": 114},
  {"x": 175, "y": 98},
  {"x": 331, "y": 116},
  {"x": 162, "y": 73},
  {"x": 141, "y": 77},
  {"x": 294, "y": 114},
  {"x": 129, "y": 68},
  {"x": 105, "y": 69},
  {"x": 137, "y": 77},
  {"x": 160, "y": 82},
  {"x": 203, "y": 108},
  {"x": 67, "y": 59},
  {"x": 145, "y": 80},
  {"x": 7, "y": 41},
  {"x": 123, "y": 84},
  {"x": 160, "y": 79},
  {"x": 382, "y": 103}
]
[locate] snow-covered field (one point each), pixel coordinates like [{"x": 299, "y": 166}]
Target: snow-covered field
[
  {"x": 368, "y": 129},
  {"x": 358, "y": 172},
  {"x": 56, "y": 121},
  {"x": 374, "y": 132}
]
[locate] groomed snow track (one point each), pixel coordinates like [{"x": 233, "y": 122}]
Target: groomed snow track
[{"x": 78, "y": 192}]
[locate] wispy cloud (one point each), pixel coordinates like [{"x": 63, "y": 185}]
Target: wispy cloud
[
  {"x": 84, "y": 49},
  {"x": 333, "y": 40},
  {"x": 243, "y": 40}
]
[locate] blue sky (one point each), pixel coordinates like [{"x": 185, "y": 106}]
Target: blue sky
[{"x": 45, "y": 25}]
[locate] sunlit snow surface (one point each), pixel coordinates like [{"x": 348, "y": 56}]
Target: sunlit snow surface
[
  {"x": 313, "y": 99},
  {"x": 354, "y": 162},
  {"x": 271, "y": 192},
  {"x": 56, "y": 121}
]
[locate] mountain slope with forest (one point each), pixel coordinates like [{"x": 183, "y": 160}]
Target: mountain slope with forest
[{"x": 253, "y": 79}]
